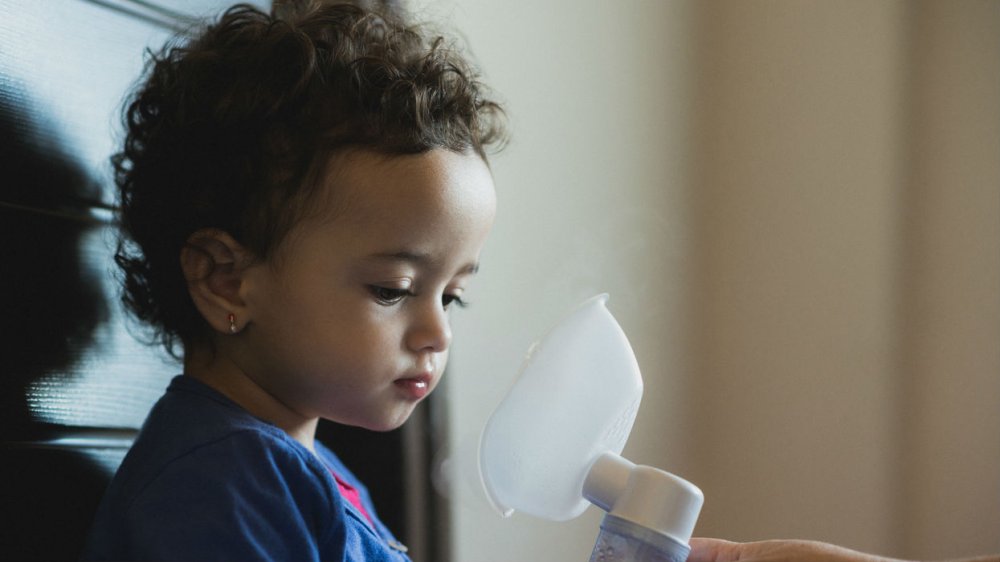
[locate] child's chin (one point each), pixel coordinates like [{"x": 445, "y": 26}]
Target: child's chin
[{"x": 390, "y": 423}]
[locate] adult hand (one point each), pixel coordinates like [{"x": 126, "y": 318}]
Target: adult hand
[{"x": 714, "y": 550}]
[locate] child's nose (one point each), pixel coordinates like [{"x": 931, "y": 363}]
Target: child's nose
[{"x": 432, "y": 330}]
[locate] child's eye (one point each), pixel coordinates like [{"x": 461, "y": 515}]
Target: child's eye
[
  {"x": 388, "y": 296},
  {"x": 448, "y": 300}
]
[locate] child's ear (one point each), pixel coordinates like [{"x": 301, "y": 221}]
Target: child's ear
[{"x": 213, "y": 263}]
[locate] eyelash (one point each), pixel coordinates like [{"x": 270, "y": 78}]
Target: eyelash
[{"x": 387, "y": 296}]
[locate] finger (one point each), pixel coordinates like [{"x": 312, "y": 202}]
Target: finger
[{"x": 713, "y": 550}]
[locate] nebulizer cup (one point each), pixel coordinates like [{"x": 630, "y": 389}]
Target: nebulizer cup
[{"x": 553, "y": 444}]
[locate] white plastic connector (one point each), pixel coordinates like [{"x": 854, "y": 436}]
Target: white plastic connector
[
  {"x": 606, "y": 480},
  {"x": 647, "y": 496}
]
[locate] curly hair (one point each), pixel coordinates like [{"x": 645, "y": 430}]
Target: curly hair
[{"x": 232, "y": 131}]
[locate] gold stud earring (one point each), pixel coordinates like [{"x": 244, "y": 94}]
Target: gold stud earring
[{"x": 232, "y": 323}]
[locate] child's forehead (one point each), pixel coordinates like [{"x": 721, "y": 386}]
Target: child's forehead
[
  {"x": 367, "y": 166},
  {"x": 368, "y": 184},
  {"x": 433, "y": 204},
  {"x": 367, "y": 199}
]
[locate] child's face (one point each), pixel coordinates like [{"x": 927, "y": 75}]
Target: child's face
[{"x": 348, "y": 321}]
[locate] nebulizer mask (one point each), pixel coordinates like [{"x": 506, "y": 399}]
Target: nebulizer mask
[{"x": 553, "y": 444}]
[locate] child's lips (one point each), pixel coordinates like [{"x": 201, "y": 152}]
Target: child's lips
[{"x": 415, "y": 387}]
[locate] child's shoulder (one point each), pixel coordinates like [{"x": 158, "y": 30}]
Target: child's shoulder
[
  {"x": 194, "y": 432},
  {"x": 206, "y": 477}
]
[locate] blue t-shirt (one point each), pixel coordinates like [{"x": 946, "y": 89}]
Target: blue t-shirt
[{"x": 205, "y": 480}]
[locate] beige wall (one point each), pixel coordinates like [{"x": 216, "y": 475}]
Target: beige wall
[
  {"x": 795, "y": 206},
  {"x": 795, "y": 241},
  {"x": 847, "y": 297},
  {"x": 950, "y": 316}
]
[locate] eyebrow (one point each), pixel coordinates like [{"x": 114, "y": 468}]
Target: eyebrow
[{"x": 420, "y": 259}]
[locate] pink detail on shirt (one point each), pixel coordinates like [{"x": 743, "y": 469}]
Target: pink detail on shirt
[{"x": 351, "y": 494}]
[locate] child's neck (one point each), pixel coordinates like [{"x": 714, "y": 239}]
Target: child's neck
[{"x": 224, "y": 376}]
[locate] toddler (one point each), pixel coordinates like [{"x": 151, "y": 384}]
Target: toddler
[{"x": 303, "y": 197}]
